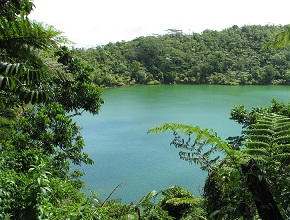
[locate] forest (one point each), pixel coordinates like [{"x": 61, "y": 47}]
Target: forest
[
  {"x": 44, "y": 84},
  {"x": 234, "y": 56}
]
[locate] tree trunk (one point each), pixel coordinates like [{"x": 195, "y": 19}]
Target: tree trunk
[{"x": 261, "y": 193}]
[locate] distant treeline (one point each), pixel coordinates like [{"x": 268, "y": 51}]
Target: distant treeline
[{"x": 230, "y": 57}]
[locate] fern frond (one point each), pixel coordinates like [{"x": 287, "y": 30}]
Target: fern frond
[
  {"x": 49, "y": 66},
  {"x": 208, "y": 136},
  {"x": 197, "y": 153},
  {"x": 260, "y": 131},
  {"x": 282, "y": 133},
  {"x": 187, "y": 129},
  {"x": 282, "y": 156},
  {"x": 269, "y": 138},
  {"x": 257, "y": 145},
  {"x": 57, "y": 69},
  {"x": 284, "y": 147},
  {"x": 283, "y": 140},
  {"x": 260, "y": 138},
  {"x": 256, "y": 152},
  {"x": 283, "y": 127}
]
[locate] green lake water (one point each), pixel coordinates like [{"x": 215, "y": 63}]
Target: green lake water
[{"x": 118, "y": 142}]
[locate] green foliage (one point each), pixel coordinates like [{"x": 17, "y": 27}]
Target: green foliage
[
  {"x": 38, "y": 193},
  {"x": 7, "y": 124},
  {"x": 222, "y": 188},
  {"x": 271, "y": 151},
  {"x": 41, "y": 83},
  {"x": 151, "y": 209},
  {"x": 265, "y": 139},
  {"x": 81, "y": 93},
  {"x": 10, "y": 10},
  {"x": 23, "y": 65},
  {"x": 39, "y": 140},
  {"x": 52, "y": 131},
  {"x": 248, "y": 117},
  {"x": 230, "y": 57},
  {"x": 196, "y": 152},
  {"x": 180, "y": 204}
]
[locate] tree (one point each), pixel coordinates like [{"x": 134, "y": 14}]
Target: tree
[
  {"x": 23, "y": 64},
  {"x": 80, "y": 93},
  {"x": 265, "y": 203},
  {"x": 280, "y": 40},
  {"x": 266, "y": 142},
  {"x": 12, "y": 9},
  {"x": 35, "y": 177},
  {"x": 232, "y": 56}
]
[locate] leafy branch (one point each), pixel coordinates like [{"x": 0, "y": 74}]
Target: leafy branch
[{"x": 195, "y": 152}]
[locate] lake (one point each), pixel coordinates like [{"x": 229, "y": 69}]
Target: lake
[{"x": 118, "y": 142}]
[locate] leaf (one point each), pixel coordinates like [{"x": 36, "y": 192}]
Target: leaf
[
  {"x": 11, "y": 83},
  {"x": 3, "y": 81},
  {"x": 27, "y": 97},
  {"x": 213, "y": 214},
  {"x": 39, "y": 181},
  {"x": 34, "y": 97},
  {"x": 147, "y": 197}
]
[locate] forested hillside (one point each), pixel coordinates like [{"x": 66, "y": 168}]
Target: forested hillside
[
  {"x": 43, "y": 85},
  {"x": 229, "y": 57}
]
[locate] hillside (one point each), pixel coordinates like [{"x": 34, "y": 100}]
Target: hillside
[{"x": 229, "y": 57}]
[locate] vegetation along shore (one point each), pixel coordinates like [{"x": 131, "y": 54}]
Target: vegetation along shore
[{"x": 44, "y": 83}]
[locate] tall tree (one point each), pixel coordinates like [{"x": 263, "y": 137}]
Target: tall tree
[{"x": 35, "y": 175}]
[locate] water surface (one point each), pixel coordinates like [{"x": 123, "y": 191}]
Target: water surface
[{"x": 118, "y": 142}]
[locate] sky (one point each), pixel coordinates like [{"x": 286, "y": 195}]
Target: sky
[{"x": 89, "y": 23}]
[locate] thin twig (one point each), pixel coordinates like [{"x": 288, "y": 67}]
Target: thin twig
[{"x": 119, "y": 185}]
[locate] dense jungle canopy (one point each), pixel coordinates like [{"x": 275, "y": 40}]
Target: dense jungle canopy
[
  {"x": 234, "y": 56},
  {"x": 43, "y": 84}
]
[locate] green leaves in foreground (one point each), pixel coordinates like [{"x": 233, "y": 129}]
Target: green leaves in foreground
[
  {"x": 207, "y": 136},
  {"x": 201, "y": 149},
  {"x": 9, "y": 74},
  {"x": 266, "y": 141},
  {"x": 269, "y": 139},
  {"x": 14, "y": 77}
]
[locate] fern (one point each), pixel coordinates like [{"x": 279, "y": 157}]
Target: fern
[
  {"x": 271, "y": 149},
  {"x": 256, "y": 144},
  {"x": 257, "y": 152},
  {"x": 200, "y": 145}
]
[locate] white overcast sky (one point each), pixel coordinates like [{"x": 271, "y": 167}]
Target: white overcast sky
[{"x": 98, "y": 22}]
